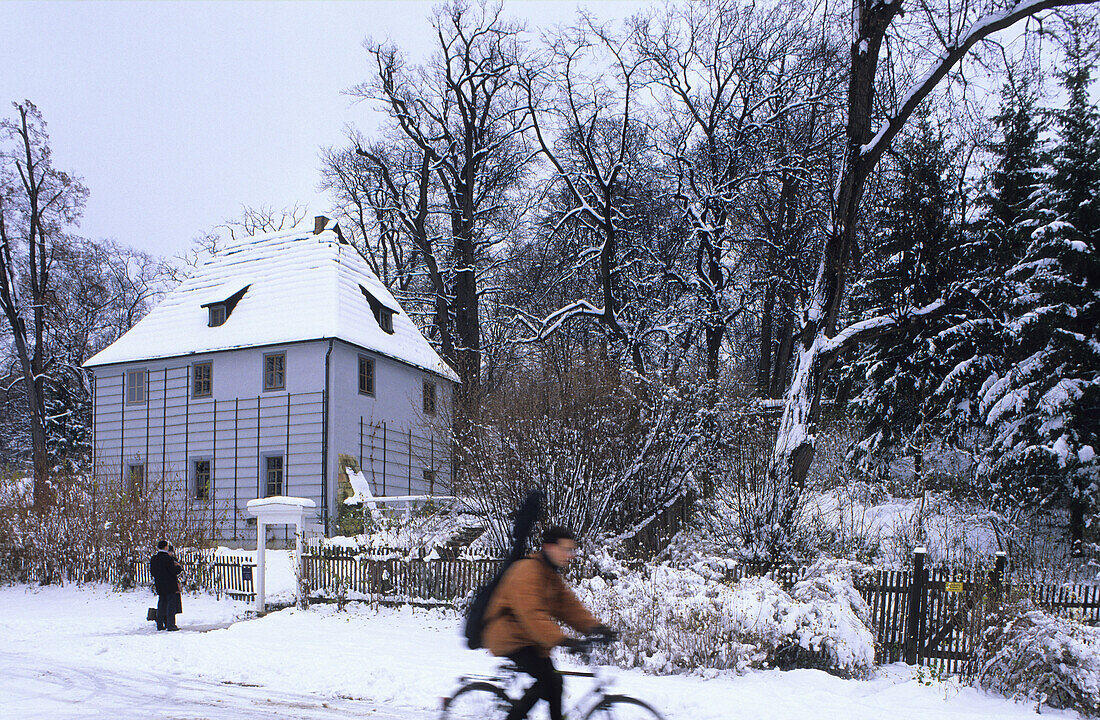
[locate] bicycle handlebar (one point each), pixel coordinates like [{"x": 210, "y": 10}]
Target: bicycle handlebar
[{"x": 585, "y": 645}]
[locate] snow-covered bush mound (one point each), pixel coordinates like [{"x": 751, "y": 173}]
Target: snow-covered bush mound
[
  {"x": 424, "y": 529},
  {"x": 676, "y": 620},
  {"x": 1049, "y": 660}
]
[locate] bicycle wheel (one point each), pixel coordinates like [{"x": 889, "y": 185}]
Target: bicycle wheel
[
  {"x": 622, "y": 707},
  {"x": 477, "y": 701}
]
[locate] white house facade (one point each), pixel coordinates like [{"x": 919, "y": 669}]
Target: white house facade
[{"x": 278, "y": 355}]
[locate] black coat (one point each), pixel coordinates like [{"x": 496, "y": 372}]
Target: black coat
[{"x": 165, "y": 571}]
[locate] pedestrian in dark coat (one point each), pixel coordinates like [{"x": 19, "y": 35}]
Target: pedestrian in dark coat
[{"x": 166, "y": 570}]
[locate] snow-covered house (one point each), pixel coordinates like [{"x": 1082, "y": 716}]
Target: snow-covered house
[{"x": 279, "y": 354}]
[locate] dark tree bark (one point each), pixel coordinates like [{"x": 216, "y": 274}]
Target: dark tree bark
[
  {"x": 764, "y": 363},
  {"x": 37, "y": 201},
  {"x": 592, "y": 154},
  {"x": 461, "y": 111}
]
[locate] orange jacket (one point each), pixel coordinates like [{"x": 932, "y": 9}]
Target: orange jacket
[{"x": 525, "y": 605}]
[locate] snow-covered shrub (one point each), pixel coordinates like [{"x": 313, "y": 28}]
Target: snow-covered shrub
[
  {"x": 686, "y": 619},
  {"x": 1032, "y": 655},
  {"x": 423, "y": 529}
]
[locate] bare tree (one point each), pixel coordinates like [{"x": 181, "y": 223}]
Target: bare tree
[
  {"x": 252, "y": 221},
  {"x": 372, "y": 205},
  {"x": 460, "y": 110},
  {"x": 102, "y": 290},
  {"x": 38, "y": 203},
  {"x": 724, "y": 74},
  {"x": 402, "y": 201},
  {"x": 957, "y": 28},
  {"x": 263, "y": 219},
  {"x": 790, "y": 201},
  {"x": 582, "y": 98}
]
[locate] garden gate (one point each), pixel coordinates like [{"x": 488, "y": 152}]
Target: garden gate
[{"x": 945, "y": 614}]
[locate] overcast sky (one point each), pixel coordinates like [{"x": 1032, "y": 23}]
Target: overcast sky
[{"x": 177, "y": 114}]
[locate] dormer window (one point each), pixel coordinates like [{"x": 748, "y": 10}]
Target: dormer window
[
  {"x": 383, "y": 315},
  {"x": 221, "y": 309},
  {"x": 217, "y": 314}
]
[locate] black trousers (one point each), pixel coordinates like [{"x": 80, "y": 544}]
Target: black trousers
[
  {"x": 547, "y": 683},
  {"x": 166, "y": 611}
]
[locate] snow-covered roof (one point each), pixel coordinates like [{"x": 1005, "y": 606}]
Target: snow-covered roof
[{"x": 300, "y": 286}]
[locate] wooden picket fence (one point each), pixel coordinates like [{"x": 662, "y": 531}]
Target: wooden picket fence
[
  {"x": 395, "y": 575},
  {"x": 922, "y": 616},
  {"x": 886, "y": 593},
  {"x": 204, "y": 570}
]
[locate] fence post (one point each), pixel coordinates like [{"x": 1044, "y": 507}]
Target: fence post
[
  {"x": 997, "y": 580},
  {"x": 999, "y": 571},
  {"x": 915, "y": 606}
]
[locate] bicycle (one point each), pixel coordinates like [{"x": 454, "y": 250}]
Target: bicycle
[{"x": 485, "y": 697}]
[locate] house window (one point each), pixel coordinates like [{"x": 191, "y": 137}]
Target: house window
[
  {"x": 382, "y": 315},
  {"x": 429, "y": 480},
  {"x": 135, "y": 478},
  {"x": 429, "y": 397},
  {"x": 217, "y": 315},
  {"x": 273, "y": 475},
  {"x": 385, "y": 320},
  {"x": 366, "y": 375},
  {"x": 200, "y": 385},
  {"x": 275, "y": 371},
  {"x": 135, "y": 387},
  {"x": 202, "y": 479},
  {"x": 219, "y": 310}
]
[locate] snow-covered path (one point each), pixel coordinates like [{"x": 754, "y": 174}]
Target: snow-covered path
[
  {"x": 37, "y": 689},
  {"x": 89, "y": 653}
]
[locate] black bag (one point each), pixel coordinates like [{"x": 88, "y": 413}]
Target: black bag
[
  {"x": 151, "y": 616},
  {"x": 526, "y": 515}
]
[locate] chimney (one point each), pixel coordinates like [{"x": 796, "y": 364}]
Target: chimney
[{"x": 319, "y": 223}]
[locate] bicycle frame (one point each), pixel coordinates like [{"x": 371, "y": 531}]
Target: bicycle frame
[
  {"x": 508, "y": 677},
  {"x": 594, "y": 695}
]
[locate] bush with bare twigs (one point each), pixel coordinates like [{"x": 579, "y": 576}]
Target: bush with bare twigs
[
  {"x": 88, "y": 525},
  {"x": 610, "y": 451}
]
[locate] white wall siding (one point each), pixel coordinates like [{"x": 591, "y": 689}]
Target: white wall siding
[
  {"x": 171, "y": 429},
  {"x": 240, "y": 424},
  {"x": 377, "y": 429}
]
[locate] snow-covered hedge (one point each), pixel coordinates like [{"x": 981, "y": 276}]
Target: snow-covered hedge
[
  {"x": 1032, "y": 655},
  {"x": 426, "y": 529},
  {"x": 676, "y": 620}
]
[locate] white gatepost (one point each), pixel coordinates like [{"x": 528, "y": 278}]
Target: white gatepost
[{"x": 278, "y": 510}]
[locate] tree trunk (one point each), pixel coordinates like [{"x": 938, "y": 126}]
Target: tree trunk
[
  {"x": 782, "y": 361},
  {"x": 36, "y": 406},
  {"x": 764, "y": 365},
  {"x": 716, "y": 326},
  {"x": 795, "y": 442},
  {"x": 467, "y": 325}
]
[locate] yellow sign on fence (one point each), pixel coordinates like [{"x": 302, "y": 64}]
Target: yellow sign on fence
[{"x": 953, "y": 587}]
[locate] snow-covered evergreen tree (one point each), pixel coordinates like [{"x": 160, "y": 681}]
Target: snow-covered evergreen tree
[
  {"x": 1044, "y": 407},
  {"x": 977, "y": 344},
  {"x": 910, "y": 263}
]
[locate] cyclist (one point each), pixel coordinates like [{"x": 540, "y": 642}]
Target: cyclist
[{"x": 520, "y": 620}]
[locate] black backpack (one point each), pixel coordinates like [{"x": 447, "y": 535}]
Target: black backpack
[{"x": 526, "y": 515}]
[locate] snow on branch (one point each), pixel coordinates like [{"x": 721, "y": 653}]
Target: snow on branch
[
  {"x": 552, "y": 322},
  {"x": 982, "y": 28},
  {"x": 874, "y": 327}
]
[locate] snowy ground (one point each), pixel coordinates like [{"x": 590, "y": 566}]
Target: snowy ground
[{"x": 89, "y": 653}]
